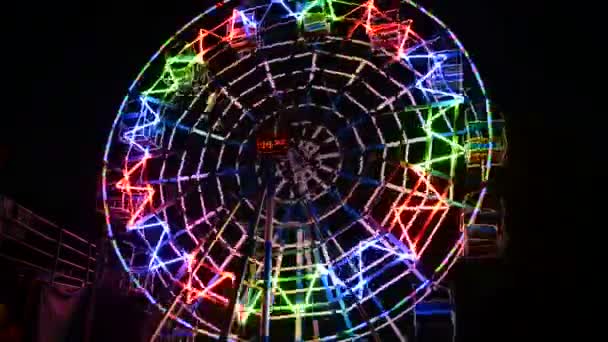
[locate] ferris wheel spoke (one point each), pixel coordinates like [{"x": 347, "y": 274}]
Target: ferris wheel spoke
[{"x": 222, "y": 172}]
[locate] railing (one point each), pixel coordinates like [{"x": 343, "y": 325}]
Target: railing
[{"x": 32, "y": 242}]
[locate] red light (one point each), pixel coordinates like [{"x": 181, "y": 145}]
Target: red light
[{"x": 272, "y": 146}]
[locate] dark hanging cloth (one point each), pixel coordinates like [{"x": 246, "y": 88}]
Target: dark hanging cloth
[
  {"x": 61, "y": 314},
  {"x": 119, "y": 315}
]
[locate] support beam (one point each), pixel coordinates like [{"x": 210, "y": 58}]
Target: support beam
[
  {"x": 320, "y": 241},
  {"x": 253, "y": 226},
  {"x": 268, "y": 234}
]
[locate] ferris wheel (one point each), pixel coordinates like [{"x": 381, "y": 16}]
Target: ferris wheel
[{"x": 306, "y": 170}]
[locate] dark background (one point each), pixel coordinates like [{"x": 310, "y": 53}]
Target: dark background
[{"x": 70, "y": 63}]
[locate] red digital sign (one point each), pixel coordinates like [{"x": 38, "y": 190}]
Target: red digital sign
[{"x": 272, "y": 145}]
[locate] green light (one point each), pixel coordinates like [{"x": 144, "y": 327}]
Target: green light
[
  {"x": 453, "y": 160},
  {"x": 448, "y": 104},
  {"x": 312, "y": 282},
  {"x": 440, "y": 159},
  {"x": 250, "y": 309},
  {"x": 302, "y": 307},
  {"x": 289, "y": 304},
  {"x": 287, "y": 279},
  {"x": 446, "y": 140},
  {"x": 332, "y": 13},
  {"x": 454, "y": 104},
  {"x": 174, "y": 75}
]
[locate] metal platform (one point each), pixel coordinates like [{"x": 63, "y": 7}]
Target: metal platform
[{"x": 28, "y": 241}]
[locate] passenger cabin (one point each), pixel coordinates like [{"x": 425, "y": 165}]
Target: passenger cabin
[
  {"x": 242, "y": 31},
  {"x": 478, "y": 143},
  {"x": 140, "y": 127},
  {"x": 447, "y": 79},
  {"x": 315, "y": 19},
  {"x": 482, "y": 236},
  {"x": 435, "y": 316},
  {"x": 120, "y": 205},
  {"x": 316, "y": 24},
  {"x": 178, "y": 76},
  {"x": 387, "y": 33}
]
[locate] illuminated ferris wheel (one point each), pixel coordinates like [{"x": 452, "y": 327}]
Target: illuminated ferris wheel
[{"x": 306, "y": 170}]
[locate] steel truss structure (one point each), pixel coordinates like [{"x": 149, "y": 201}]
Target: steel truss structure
[{"x": 308, "y": 170}]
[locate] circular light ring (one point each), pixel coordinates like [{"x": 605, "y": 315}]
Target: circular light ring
[{"x": 418, "y": 170}]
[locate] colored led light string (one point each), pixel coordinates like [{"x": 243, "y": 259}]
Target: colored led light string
[
  {"x": 441, "y": 205},
  {"x": 431, "y": 216},
  {"x": 432, "y": 234},
  {"x": 474, "y": 70},
  {"x": 125, "y": 185},
  {"x": 405, "y": 206},
  {"x": 192, "y": 271},
  {"x": 105, "y": 168}
]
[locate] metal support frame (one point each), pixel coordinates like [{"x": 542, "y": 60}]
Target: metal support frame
[
  {"x": 89, "y": 252},
  {"x": 268, "y": 234},
  {"x": 253, "y": 225},
  {"x": 57, "y": 251}
]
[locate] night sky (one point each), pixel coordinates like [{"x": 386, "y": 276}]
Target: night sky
[{"x": 71, "y": 63}]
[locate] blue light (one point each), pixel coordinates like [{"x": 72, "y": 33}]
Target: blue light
[{"x": 144, "y": 127}]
